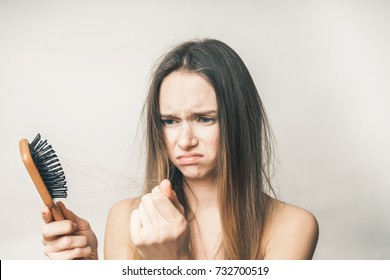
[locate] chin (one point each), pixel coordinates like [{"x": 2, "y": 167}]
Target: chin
[{"x": 194, "y": 173}]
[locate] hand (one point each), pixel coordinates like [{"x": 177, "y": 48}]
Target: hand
[
  {"x": 158, "y": 228},
  {"x": 71, "y": 238}
]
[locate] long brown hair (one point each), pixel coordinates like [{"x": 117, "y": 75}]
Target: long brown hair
[{"x": 245, "y": 146}]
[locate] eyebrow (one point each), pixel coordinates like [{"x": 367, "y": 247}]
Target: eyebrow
[{"x": 198, "y": 113}]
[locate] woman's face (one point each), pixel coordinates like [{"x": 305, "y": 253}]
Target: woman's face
[{"x": 188, "y": 111}]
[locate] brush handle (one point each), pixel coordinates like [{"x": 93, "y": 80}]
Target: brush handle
[
  {"x": 57, "y": 214},
  {"x": 37, "y": 179}
]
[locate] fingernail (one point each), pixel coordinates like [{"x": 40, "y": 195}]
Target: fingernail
[
  {"x": 75, "y": 227},
  {"x": 44, "y": 210},
  {"x": 166, "y": 182}
]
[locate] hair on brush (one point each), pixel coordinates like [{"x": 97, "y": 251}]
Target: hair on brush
[{"x": 45, "y": 171}]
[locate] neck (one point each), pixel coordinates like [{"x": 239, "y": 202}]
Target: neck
[
  {"x": 202, "y": 197},
  {"x": 202, "y": 193}
]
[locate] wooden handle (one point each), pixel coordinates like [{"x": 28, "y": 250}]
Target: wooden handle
[{"x": 37, "y": 179}]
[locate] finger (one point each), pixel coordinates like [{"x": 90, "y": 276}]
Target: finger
[
  {"x": 165, "y": 207},
  {"x": 65, "y": 243},
  {"x": 71, "y": 254},
  {"x": 166, "y": 188},
  {"x": 135, "y": 227},
  {"x": 47, "y": 215},
  {"x": 150, "y": 210},
  {"x": 53, "y": 230},
  {"x": 143, "y": 217},
  {"x": 69, "y": 215}
]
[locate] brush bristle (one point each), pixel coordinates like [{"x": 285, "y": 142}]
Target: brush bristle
[{"x": 49, "y": 167}]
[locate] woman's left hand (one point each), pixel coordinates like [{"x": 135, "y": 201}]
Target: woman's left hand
[{"x": 158, "y": 228}]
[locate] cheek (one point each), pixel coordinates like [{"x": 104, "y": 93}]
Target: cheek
[
  {"x": 213, "y": 141},
  {"x": 169, "y": 140},
  {"x": 216, "y": 145}
]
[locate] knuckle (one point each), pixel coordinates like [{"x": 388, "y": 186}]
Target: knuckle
[
  {"x": 85, "y": 224},
  {"x": 86, "y": 251},
  {"x": 145, "y": 197},
  {"x": 73, "y": 254},
  {"x": 157, "y": 197},
  {"x": 66, "y": 241},
  {"x": 68, "y": 226},
  {"x": 45, "y": 231},
  {"x": 77, "y": 252},
  {"x": 83, "y": 241}
]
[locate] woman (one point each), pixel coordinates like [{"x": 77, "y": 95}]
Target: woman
[{"x": 207, "y": 193}]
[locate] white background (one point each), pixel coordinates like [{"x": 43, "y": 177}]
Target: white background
[
  {"x": 176, "y": 269},
  {"x": 77, "y": 72}
]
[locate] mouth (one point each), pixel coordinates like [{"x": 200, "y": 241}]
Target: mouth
[{"x": 191, "y": 158}]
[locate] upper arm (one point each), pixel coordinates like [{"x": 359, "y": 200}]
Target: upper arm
[
  {"x": 117, "y": 241},
  {"x": 294, "y": 236}
]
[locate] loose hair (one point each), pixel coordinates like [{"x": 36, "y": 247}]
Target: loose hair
[{"x": 245, "y": 142}]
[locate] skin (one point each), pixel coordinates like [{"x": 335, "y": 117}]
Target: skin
[
  {"x": 188, "y": 109},
  {"x": 71, "y": 238},
  {"x": 154, "y": 225}
]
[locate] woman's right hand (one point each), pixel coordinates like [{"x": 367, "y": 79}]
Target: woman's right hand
[
  {"x": 71, "y": 238},
  {"x": 158, "y": 228}
]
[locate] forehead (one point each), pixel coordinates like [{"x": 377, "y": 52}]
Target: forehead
[{"x": 185, "y": 91}]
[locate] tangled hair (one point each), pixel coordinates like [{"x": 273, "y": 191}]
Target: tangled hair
[{"x": 245, "y": 142}]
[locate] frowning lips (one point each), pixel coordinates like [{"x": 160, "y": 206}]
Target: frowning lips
[{"x": 189, "y": 158}]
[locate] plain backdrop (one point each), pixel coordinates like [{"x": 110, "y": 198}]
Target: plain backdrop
[{"x": 77, "y": 72}]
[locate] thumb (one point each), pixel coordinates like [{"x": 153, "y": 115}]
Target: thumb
[
  {"x": 47, "y": 215},
  {"x": 69, "y": 215},
  {"x": 166, "y": 188}
]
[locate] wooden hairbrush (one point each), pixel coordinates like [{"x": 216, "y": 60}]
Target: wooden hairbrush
[{"x": 45, "y": 171}]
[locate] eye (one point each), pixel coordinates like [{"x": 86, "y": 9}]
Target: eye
[
  {"x": 206, "y": 120},
  {"x": 168, "y": 122}
]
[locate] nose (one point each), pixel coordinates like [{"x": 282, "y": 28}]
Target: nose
[{"x": 187, "y": 138}]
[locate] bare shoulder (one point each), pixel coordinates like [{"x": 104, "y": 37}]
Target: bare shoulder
[
  {"x": 124, "y": 206},
  {"x": 117, "y": 241},
  {"x": 290, "y": 232}
]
